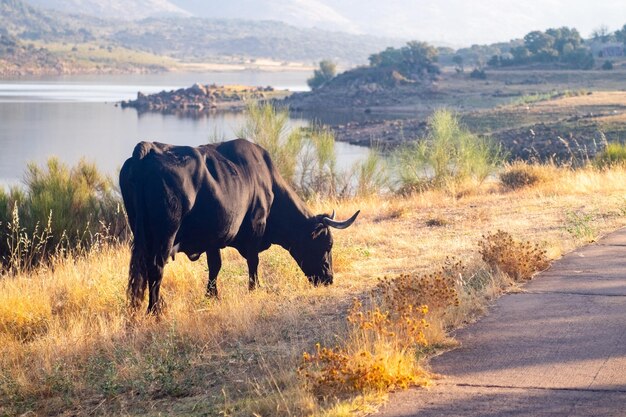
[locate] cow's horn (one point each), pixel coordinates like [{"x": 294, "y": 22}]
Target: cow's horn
[
  {"x": 340, "y": 225},
  {"x": 332, "y": 216}
]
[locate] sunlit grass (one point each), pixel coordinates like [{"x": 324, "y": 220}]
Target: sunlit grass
[{"x": 68, "y": 343}]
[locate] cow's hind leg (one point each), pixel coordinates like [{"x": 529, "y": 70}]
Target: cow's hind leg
[
  {"x": 214, "y": 261},
  {"x": 155, "y": 275},
  {"x": 253, "y": 266},
  {"x": 138, "y": 278}
]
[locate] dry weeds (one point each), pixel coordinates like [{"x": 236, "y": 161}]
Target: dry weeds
[{"x": 67, "y": 345}]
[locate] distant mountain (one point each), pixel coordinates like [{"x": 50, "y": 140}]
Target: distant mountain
[
  {"x": 188, "y": 38},
  {"x": 31, "y": 23},
  {"x": 300, "y": 13},
  {"x": 114, "y": 9},
  {"x": 196, "y": 38}
]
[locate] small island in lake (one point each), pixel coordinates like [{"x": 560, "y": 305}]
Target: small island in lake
[{"x": 200, "y": 98}]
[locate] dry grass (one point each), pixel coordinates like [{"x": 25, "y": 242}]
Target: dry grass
[
  {"x": 521, "y": 174},
  {"x": 519, "y": 260},
  {"x": 69, "y": 347}
]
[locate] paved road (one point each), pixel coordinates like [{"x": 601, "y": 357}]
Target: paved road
[{"x": 557, "y": 349}]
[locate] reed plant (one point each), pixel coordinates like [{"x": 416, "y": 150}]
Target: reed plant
[
  {"x": 449, "y": 156},
  {"x": 307, "y": 159}
]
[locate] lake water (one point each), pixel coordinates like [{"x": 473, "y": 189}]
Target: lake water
[{"x": 75, "y": 117}]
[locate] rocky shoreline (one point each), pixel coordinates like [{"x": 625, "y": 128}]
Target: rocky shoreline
[
  {"x": 203, "y": 98},
  {"x": 559, "y": 142}
]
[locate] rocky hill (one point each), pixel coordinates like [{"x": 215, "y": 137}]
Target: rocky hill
[
  {"x": 363, "y": 89},
  {"x": 16, "y": 59}
]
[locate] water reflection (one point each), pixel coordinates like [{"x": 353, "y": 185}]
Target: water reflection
[
  {"x": 74, "y": 117},
  {"x": 32, "y": 132}
]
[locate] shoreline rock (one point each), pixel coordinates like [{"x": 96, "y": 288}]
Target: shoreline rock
[{"x": 202, "y": 98}]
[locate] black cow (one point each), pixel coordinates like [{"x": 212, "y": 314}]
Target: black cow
[{"x": 200, "y": 200}]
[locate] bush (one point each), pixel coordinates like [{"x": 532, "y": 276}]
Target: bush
[
  {"x": 449, "y": 156},
  {"x": 385, "y": 339},
  {"x": 306, "y": 157},
  {"x": 607, "y": 66},
  {"x": 317, "y": 163},
  {"x": 478, "y": 74},
  {"x": 269, "y": 127},
  {"x": 519, "y": 260},
  {"x": 321, "y": 76},
  {"x": 378, "y": 357},
  {"x": 371, "y": 175},
  {"x": 613, "y": 154},
  {"x": 521, "y": 174},
  {"x": 61, "y": 209}
]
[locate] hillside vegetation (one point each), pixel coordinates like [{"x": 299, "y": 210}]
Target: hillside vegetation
[{"x": 183, "y": 38}]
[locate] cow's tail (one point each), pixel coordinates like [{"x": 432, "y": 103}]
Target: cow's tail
[{"x": 138, "y": 270}]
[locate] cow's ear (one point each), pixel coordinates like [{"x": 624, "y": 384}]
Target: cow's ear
[{"x": 317, "y": 230}]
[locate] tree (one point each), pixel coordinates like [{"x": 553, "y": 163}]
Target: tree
[
  {"x": 580, "y": 58},
  {"x": 565, "y": 39},
  {"x": 495, "y": 61},
  {"x": 521, "y": 54},
  {"x": 458, "y": 60},
  {"x": 412, "y": 60},
  {"x": 538, "y": 41},
  {"x": 601, "y": 34},
  {"x": 321, "y": 76},
  {"x": 620, "y": 34}
]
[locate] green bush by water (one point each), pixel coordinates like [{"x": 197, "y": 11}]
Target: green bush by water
[
  {"x": 613, "y": 154},
  {"x": 58, "y": 209},
  {"x": 449, "y": 156}
]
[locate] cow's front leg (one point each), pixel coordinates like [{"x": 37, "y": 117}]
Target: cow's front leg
[
  {"x": 155, "y": 275},
  {"x": 253, "y": 266},
  {"x": 214, "y": 262}
]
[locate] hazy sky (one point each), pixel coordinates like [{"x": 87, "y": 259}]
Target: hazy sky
[
  {"x": 484, "y": 21},
  {"x": 459, "y": 22},
  {"x": 455, "y": 22}
]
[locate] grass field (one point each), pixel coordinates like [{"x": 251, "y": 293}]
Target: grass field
[
  {"x": 68, "y": 345},
  {"x": 91, "y": 55}
]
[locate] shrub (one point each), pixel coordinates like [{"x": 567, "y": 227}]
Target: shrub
[
  {"x": 61, "y": 209},
  {"x": 607, "y": 65},
  {"x": 317, "y": 164},
  {"x": 519, "y": 260},
  {"x": 613, "y": 154},
  {"x": 269, "y": 127},
  {"x": 326, "y": 72},
  {"x": 384, "y": 339},
  {"x": 371, "y": 175},
  {"x": 436, "y": 290},
  {"x": 306, "y": 157},
  {"x": 521, "y": 174},
  {"x": 478, "y": 74},
  {"x": 379, "y": 355},
  {"x": 449, "y": 156}
]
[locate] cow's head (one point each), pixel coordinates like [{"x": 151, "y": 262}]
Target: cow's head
[{"x": 313, "y": 254}]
